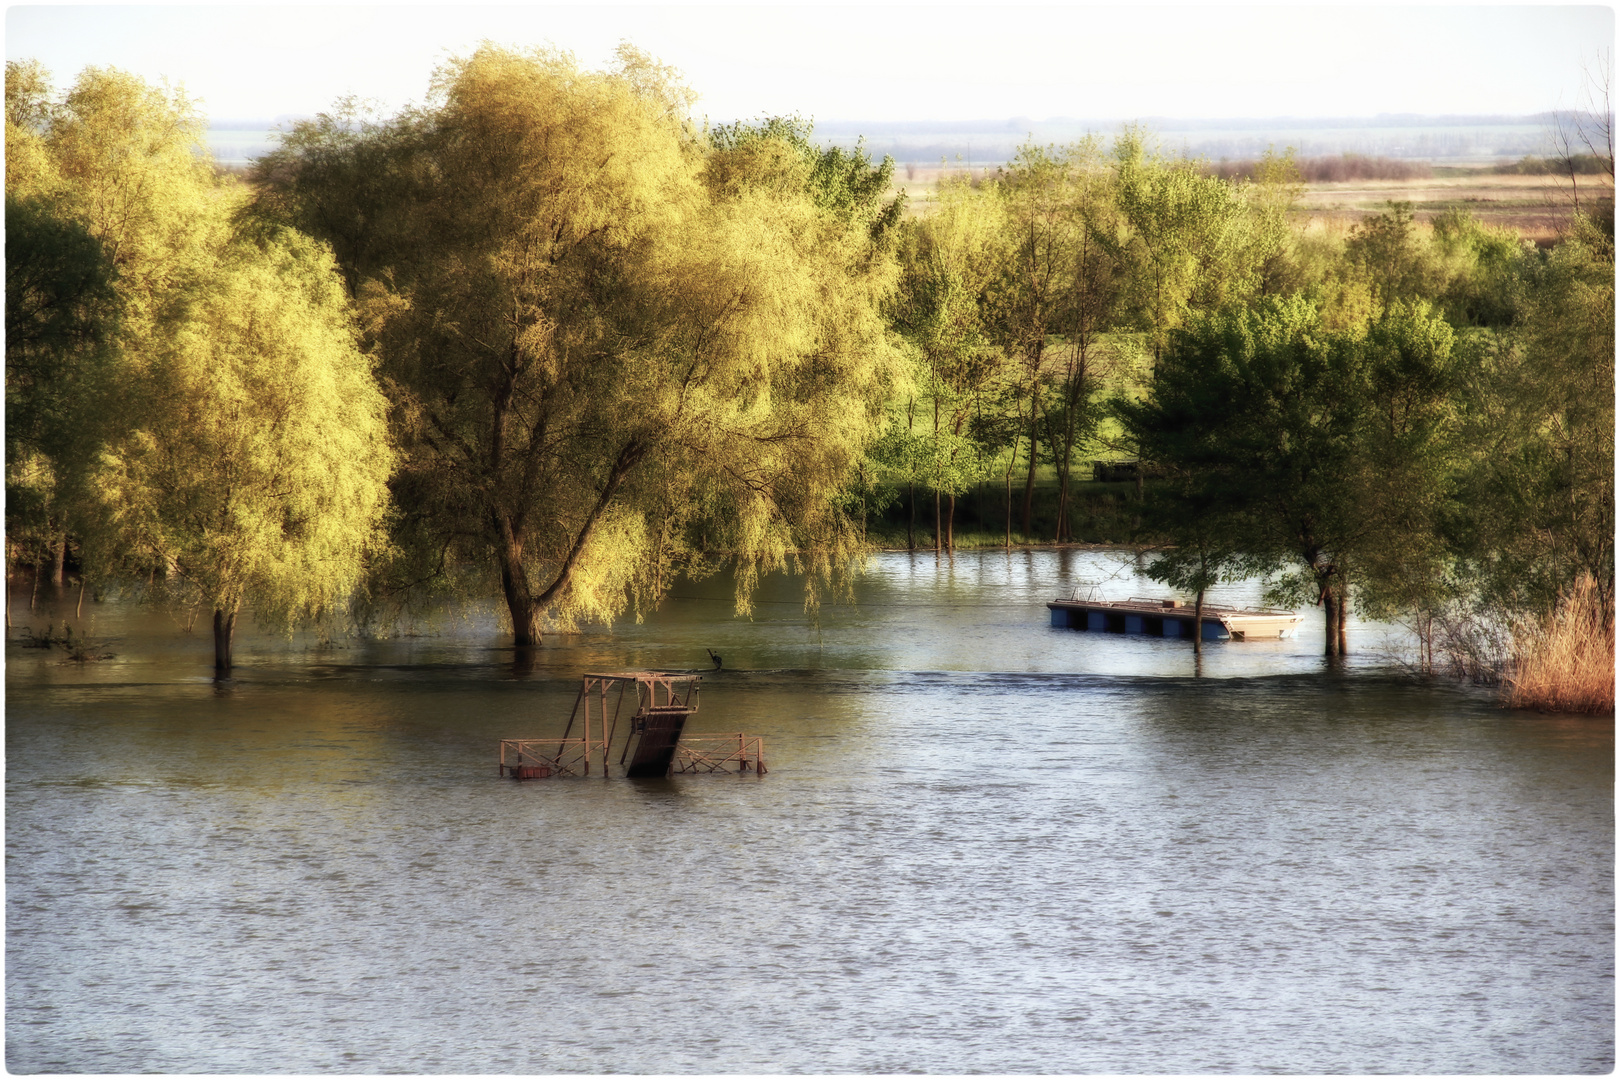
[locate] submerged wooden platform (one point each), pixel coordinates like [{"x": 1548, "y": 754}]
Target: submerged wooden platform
[
  {"x": 1154, "y": 617},
  {"x": 652, "y": 746}
]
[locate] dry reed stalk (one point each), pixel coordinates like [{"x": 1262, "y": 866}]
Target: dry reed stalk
[
  {"x": 1566, "y": 664},
  {"x": 1468, "y": 642}
]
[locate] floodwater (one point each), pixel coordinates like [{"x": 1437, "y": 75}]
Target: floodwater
[{"x": 984, "y": 845}]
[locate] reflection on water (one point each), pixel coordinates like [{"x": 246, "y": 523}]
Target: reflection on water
[{"x": 984, "y": 845}]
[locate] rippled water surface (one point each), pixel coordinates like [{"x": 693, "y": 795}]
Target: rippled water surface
[{"x": 983, "y": 845}]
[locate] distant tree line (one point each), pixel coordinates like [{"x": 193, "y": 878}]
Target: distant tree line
[
  {"x": 1415, "y": 419},
  {"x": 546, "y": 337},
  {"x": 1333, "y": 168},
  {"x": 1580, "y": 164}
]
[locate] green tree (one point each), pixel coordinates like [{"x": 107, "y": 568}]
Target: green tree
[
  {"x": 1409, "y": 450},
  {"x": 1270, "y": 198},
  {"x": 1087, "y": 308},
  {"x": 253, "y": 464},
  {"x": 61, "y": 313},
  {"x": 948, "y": 261},
  {"x": 1539, "y": 486},
  {"x": 1299, "y": 450},
  {"x": 780, "y": 151},
  {"x": 608, "y": 360},
  {"x": 1198, "y": 556},
  {"x": 1387, "y": 252},
  {"x": 1484, "y": 270},
  {"x": 1026, "y": 302},
  {"x": 229, "y": 438},
  {"x": 1187, "y": 243}
]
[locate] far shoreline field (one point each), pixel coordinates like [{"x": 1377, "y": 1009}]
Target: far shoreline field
[{"x": 1461, "y": 154}]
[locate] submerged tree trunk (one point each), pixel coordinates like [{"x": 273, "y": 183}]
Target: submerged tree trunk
[
  {"x": 1007, "y": 494},
  {"x": 1198, "y": 623},
  {"x": 911, "y": 516},
  {"x": 224, "y": 638},
  {"x": 1330, "y": 609},
  {"x": 1344, "y": 608},
  {"x": 1029, "y": 479},
  {"x": 911, "y": 482},
  {"x": 520, "y": 603},
  {"x": 1066, "y": 477},
  {"x": 523, "y": 604},
  {"x": 1007, "y": 539},
  {"x": 1063, "y": 499},
  {"x": 938, "y": 530}
]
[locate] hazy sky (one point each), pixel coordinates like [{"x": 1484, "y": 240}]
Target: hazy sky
[{"x": 918, "y": 62}]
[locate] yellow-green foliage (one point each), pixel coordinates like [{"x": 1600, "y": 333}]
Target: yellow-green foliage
[
  {"x": 610, "y": 350},
  {"x": 123, "y": 158},
  {"x": 236, "y": 442},
  {"x": 29, "y": 169},
  {"x": 1541, "y": 489},
  {"x": 257, "y": 465},
  {"x": 950, "y": 260},
  {"x": 1192, "y": 241}
]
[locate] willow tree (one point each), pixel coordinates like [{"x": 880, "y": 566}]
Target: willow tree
[
  {"x": 108, "y": 210},
  {"x": 231, "y": 440},
  {"x": 61, "y": 311},
  {"x": 252, "y": 464},
  {"x": 611, "y": 355},
  {"x": 1086, "y": 310}
]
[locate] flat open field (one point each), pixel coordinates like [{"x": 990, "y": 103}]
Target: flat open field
[{"x": 1537, "y": 206}]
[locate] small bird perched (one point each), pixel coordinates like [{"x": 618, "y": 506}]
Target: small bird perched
[{"x": 715, "y": 657}]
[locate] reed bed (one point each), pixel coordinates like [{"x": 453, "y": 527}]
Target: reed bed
[{"x": 1566, "y": 664}]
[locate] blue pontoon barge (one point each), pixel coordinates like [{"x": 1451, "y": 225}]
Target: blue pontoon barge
[{"x": 1171, "y": 618}]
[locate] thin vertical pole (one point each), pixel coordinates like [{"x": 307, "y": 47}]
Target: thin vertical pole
[
  {"x": 605, "y": 736},
  {"x": 584, "y": 683},
  {"x": 586, "y": 756},
  {"x": 618, "y": 708}
]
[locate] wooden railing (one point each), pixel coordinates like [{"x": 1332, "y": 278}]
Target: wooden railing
[{"x": 534, "y": 759}]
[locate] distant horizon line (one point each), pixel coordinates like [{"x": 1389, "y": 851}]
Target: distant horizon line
[{"x": 1014, "y": 123}]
